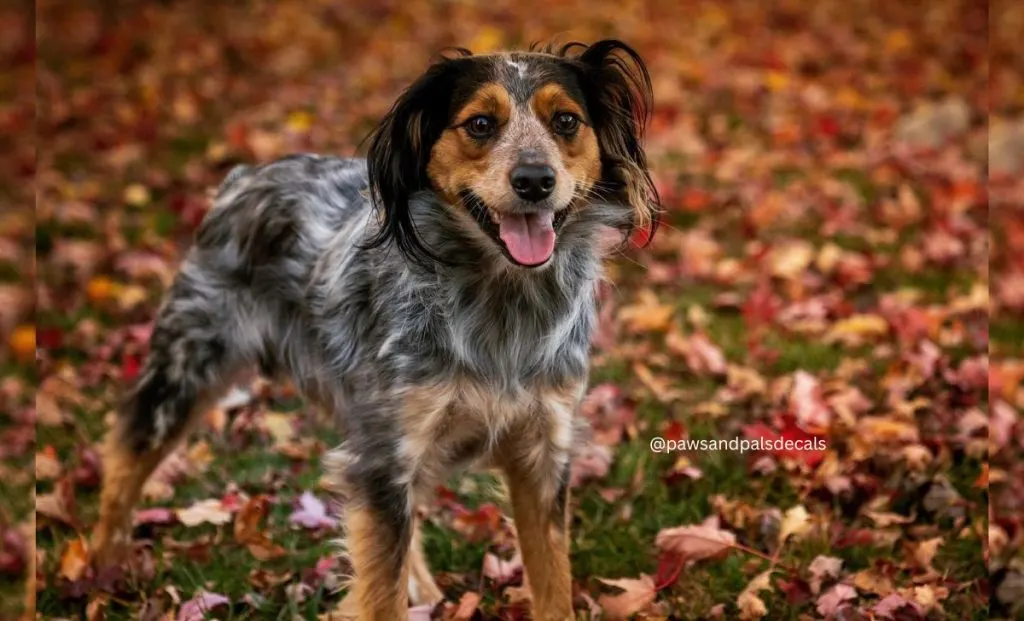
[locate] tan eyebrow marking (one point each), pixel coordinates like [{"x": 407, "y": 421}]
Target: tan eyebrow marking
[
  {"x": 552, "y": 98},
  {"x": 491, "y": 99}
]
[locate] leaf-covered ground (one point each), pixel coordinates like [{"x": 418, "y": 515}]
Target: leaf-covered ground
[{"x": 830, "y": 175}]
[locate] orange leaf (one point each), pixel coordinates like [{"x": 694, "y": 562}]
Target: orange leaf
[{"x": 75, "y": 560}]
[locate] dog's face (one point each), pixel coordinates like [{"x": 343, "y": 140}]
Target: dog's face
[{"x": 515, "y": 144}]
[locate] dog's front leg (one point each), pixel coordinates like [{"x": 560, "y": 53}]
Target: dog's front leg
[
  {"x": 378, "y": 531},
  {"x": 535, "y": 459},
  {"x": 378, "y": 547},
  {"x": 540, "y": 510}
]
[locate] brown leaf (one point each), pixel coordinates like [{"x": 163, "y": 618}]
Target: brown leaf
[{"x": 249, "y": 533}]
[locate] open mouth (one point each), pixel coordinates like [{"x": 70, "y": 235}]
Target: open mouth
[{"x": 525, "y": 238}]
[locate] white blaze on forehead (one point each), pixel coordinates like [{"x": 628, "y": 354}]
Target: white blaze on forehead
[{"x": 519, "y": 66}]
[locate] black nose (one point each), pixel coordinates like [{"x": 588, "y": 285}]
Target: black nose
[{"x": 533, "y": 182}]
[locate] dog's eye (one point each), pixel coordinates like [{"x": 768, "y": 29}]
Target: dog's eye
[
  {"x": 481, "y": 126},
  {"x": 565, "y": 123}
]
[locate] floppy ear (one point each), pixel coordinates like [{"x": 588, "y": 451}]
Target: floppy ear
[
  {"x": 398, "y": 155},
  {"x": 619, "y": 93}
]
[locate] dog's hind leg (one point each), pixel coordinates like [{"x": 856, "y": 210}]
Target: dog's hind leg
[{"x": 188, "y": 368}]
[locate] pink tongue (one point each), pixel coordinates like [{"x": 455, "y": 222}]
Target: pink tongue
[{"x": 530, "y": 238}]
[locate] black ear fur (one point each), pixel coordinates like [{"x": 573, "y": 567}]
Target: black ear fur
[
  {"x": 615, "y": 79},
  {"x": 399, "y": 153}
]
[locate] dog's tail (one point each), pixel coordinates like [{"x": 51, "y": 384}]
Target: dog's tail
[{"x": 188, "y": 366}]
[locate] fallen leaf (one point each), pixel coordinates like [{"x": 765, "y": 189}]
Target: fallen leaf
[
  {"x": 807, "y": 404},
  {"x": 60, "y": 504},
  {"x": 210, "y": 511},
  {"x": 74, "y": 560},
  {"x": 858, "y": 330},
  {"x": 47, "y": 465},
  {"x": 591, "y": 462},
  {"x": 751, "y": 606},
  {"x": 154, "y": 515},
  {"x": 890, "y": 606},
  {"x": 637, "y": 595},
  {"x": 648, "y": 314},
  {"x": 830, "y": 602},
  {"x": 468, "y": 604},
  {"x": 696, "y": 542},
  {"x": 249, "y": 533},
  {"x": 501, "y": 570},
  {"x": 923, "y": 553},
  {"x": 823, "y": 568},
  {"x": 795, "y": 523},
  {"x": 311, "y": 513},
  {"x": 203, "y": 602}
]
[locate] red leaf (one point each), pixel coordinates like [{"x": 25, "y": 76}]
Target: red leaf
[
  {"x": 670, "y": 564},
  {"x": 797, "y": 590},
  {"x": 827, "y": 126},
  {"x": 674, "y": 430},
  {"x": 130, "y": 364}
]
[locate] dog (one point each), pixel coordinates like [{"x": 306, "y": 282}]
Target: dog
[{"x": 438, "y": 297}]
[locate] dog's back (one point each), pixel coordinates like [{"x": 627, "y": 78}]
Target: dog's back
[{"x": 242, "y": 293}]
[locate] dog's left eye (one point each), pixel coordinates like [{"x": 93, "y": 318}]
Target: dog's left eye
[{"x": 565, "y": 123}]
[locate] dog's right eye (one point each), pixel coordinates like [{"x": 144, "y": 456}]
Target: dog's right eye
[{"x": 481, "y": 126}]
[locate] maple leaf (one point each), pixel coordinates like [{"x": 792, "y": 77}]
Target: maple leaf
[
  {"x": 696, "y": 542},
  {"x": 824, "y": 568},
  {"x": 648, "y": 314},
  {"x": 829, "y": 603},
  {"x": 637, "y": 595},
  {"x": 248, "y": 532},
  {"x": 75, "y": 560},
  {"x": 701, "y": 355},
  {"x": 795, "y": 523}
]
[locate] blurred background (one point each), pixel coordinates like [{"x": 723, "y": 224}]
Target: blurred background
[{"x": 843, "y": 195}]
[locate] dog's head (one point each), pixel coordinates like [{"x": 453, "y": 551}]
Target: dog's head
[{"x": 516, "y": 144}]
